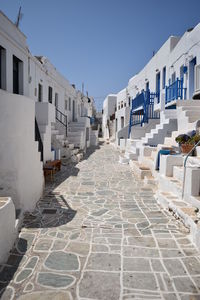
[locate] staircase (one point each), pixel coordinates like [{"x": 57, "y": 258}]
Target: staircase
[
  {"x": 188, "y": 113},
  {"x": 77, "y": 134},
  {"x": 145, "y": 145},
  {"x": 59, "y": 141}
]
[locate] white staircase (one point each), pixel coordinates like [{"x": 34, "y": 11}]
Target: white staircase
[
  {"x": 77, "y": 134},
  {"x": 146, "y": 144},
  {"x": 59, "y": 141}
]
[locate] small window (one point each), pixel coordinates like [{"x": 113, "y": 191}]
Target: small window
[
  {"x": 122, "y": 122},
  {"x": 173, "y": 77},
  {"x": 119, "y": 107},
  {"x": 17, "y": 76},
  {"x": 2, "y": 68},
  {"x": 69, "y": 104},
  {"x": 50, "y": 94},
  {"x": 164, "y": 78},
  {"x": 181, "y": 72},
  {"x": 147, "y": 85},
  {"x": 56, "y": 100},
  {"x": 39, "y": 92},
  {"x": 129, "y": 101},
  {"x": 66, "y": 104}
]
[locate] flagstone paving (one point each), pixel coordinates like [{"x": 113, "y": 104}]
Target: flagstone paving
[{"x": 98, "y": 233}]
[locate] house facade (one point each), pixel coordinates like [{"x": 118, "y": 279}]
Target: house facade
[
  {"x": 42, "y": 117},
  {"x": 165, "y": 103},
  {"x": 171, "y": 74}
]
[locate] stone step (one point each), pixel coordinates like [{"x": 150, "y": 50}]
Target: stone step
[
  {"x": 139, "y": 170},
  {"x": 76, "y": 129},
  {"x": 171, "y": 184},
  {"x": 123, "y": 160},
  {"x": 193, "y": 114},
  {"x": 74, "y": 134},
  {"x": 187, "y": 213},
  {"x": 55, "y": 131},
  {"x": 194, "y": 108},
  {"x": 60, "y": 137},
  {"x": 181, "y": 103},
  {"x": 130, "y": 155}
]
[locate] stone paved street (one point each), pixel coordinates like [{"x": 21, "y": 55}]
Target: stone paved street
[{"x": 98, "y": 233}]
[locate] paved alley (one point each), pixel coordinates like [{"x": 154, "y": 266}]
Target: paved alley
[{"x": 98, "y": 233}]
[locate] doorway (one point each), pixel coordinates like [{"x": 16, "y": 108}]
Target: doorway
[
  {"x": 73, "y": 112},
  {"x": 192, "y": 64}
]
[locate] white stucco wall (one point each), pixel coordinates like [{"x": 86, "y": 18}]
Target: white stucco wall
[
  {"x": 21, "y": 174},
  {"x": 14, "y": 41},
  {"x": 109, "y": 106},
  {"x": 7, "y": 227}
]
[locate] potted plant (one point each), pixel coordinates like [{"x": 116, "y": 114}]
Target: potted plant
[{"x": 186, "y": 142}]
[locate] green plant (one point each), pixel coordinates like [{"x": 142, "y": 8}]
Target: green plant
[
  {"x": 193, "y": 140},
  {"x": 182, "y": 139}
]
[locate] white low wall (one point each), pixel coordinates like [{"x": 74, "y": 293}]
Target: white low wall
[
  {"x": 21, "y": 174},
  {"x": 94, "y": 138},
  {"x": 7, "y": 228}
]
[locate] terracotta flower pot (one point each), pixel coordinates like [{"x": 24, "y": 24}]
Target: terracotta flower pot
[{"x": 186, "y": 148}]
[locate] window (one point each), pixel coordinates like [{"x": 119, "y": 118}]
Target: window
[
  {"x": 173, "y": 77},
  {"x": 122, "y": 122},
  {"x": 122, "y": 104},
  {"x": 69, "y": 104},
  {"x": 17, "y": 76},
  {"x": 2, "y": 68},
  {"x": 147, "y": 85},
  {"x": 66, "y": 104},
  {"x": 181, "y": 72},
  {"x": 158, "y": 85},
  {"x": 39, "y": 92},
  {"x": 129, "y": 101},
  {"x": 164, "y": 78},
  {"x": 56, "y": 100},
  {"x": 50, "y": 94}
]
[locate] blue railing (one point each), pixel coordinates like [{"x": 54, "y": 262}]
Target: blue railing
[
  {"x": 143, "y": 109},
  {"x": 138, "y": 101},
  {"x": 175, "y": 91}
]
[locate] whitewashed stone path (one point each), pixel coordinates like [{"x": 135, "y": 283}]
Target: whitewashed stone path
[{"x": 98, "y": 233}]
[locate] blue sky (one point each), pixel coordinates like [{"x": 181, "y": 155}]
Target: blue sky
[{"x": 101, "y": 42}]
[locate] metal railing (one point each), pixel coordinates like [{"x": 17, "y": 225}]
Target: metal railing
[
  {"x": 145, "y": 105},
  {"x": 175, "y": 91},
  {"x": 184, "y": 170},
  {"x": 61, "y": 118},
  {"x": 138, "y": 101},
  {"x": 39, "y": 140}
]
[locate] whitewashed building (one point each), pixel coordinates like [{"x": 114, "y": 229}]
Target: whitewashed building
[
  {"x": 108, "y": 119},
  {"x": 164, "y": 103},
  {"x": 40, "y": 112}
]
